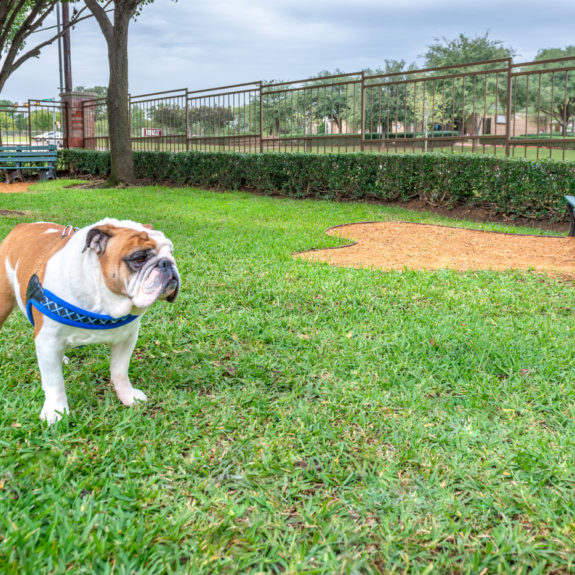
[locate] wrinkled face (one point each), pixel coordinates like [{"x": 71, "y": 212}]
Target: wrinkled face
[{"x": 137, "y": 264}]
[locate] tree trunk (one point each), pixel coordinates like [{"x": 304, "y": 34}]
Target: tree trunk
[
  {"x": 122, "y": 170},
  {"x": 116, "y": 35},
  {"x": 338, "y": 122}
]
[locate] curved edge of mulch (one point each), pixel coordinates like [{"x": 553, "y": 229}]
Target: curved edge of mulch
[{"x": 327, "y": 230}]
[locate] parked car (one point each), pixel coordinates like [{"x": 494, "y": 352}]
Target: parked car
[{"x": 50, "y": 138}]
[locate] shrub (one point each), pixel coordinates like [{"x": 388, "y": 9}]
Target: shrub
[
  {"x": 513, "y": 186},
  {"x": 543, "y": 136}
]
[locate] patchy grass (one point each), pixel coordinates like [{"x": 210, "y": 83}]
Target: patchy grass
[{"x": 303, "y": 418}]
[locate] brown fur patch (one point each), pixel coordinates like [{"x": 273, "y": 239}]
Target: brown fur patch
[
  {"x": 122, "y": 243},
  {"x": 29, "y": 247}
]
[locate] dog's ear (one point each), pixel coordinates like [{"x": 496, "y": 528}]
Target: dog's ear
[{"x": 97, "y": 239}]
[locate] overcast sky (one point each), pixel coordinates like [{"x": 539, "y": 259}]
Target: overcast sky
[{"x": 199, "y": 44}]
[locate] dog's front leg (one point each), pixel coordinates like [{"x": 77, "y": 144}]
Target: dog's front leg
[
  {"x": 120, "y": 355},
  {"x": 50, "y": 355}
]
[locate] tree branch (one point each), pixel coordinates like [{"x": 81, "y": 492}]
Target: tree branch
[
  {"x": 33, "y": 21},
  {"x": 27, "y": 27},
  {"x": 99, "y": 13},
  {"x": 15, "y": 9}
]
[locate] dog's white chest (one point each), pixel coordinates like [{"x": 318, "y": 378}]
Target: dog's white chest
[{"x": 76, "y": 337}]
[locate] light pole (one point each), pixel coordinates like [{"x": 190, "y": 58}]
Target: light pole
[
  {"x": 59, "y": 23},
  {"x": 66, "y": 45}
]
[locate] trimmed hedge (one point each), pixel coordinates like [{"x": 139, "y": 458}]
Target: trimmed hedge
[
  {"x": 543, "y": 136},
  {"x": 513, "y": 186}
]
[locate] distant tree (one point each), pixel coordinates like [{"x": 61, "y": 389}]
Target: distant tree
[
  {"x": 424, "y": 106},
  {"x": 279, "y": 107},
  {"x": 100, "y": 91},
  {"x": 19, "y": 19},
  {"x": 101, "y": 113},
  {"x": 43, "y": 120},
  {"x": 206, "y": 120},
  {"x": 333, "y": 99},
  {"x": 171, "y": 117},
  {"x": 468, "y": 99},
  {"x": 12, "y": 120},
  {"x": 385, "y": 104},
  {"x": 557, "y": 92},
  {"x": 463, "y": 50},
  {"x": 139, "y": 119},
  {"x": 7, "y": 113}
]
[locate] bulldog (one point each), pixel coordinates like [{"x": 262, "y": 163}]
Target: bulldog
[{"x": 79, "y": 287}]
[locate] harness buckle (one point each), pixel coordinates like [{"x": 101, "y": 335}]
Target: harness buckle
[{"x": 69, "y": 231}]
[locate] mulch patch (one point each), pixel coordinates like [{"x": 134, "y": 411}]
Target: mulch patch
[{"x": 402, "y": 245}]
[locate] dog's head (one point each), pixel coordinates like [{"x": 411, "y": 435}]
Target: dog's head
[{"x": 136, "y": 261}]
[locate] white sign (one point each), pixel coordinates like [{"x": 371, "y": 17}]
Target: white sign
[{"x": 154, "y": 132}]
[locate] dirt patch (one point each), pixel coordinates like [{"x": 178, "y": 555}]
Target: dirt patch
[
  {"x": 401, "y": 245},
  {"x": 15, "y": 188},
  {"x": 11, "y": 213},
  {"x": 92, "y": 184}
]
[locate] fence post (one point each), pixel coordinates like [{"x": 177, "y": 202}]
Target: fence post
[
  {"x": 187, "y": 122},
  {"x": 261, "y": 118},
  {"x": 508, "y": 118},
  {"x": 76, "y": 129},
  {"x": 362, "y": 127},
  {"x": 29, "y": 106}
]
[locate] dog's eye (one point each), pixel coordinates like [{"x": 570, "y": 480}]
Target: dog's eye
[{"x": 137, "y": 260}]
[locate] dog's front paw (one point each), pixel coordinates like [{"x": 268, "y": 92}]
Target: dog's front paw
[
  {"x": 130, "y": 396},
  {"x": 52, "y": 413}
]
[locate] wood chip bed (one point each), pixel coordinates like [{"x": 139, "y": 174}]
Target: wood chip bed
[{"x": 400, "y": 245}]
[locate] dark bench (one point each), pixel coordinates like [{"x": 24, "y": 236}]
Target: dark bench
[
  {"x": 41, "y": 159},
  {"x": 570, "y": 207}
]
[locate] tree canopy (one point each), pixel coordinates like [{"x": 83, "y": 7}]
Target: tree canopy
[
  {"x": 463, "y": 50},
  {"x": 557, "y": 92},
  {"x": 19, "y": 19}
]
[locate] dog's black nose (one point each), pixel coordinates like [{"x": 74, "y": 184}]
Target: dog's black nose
[{"x": 164, "y": 264}]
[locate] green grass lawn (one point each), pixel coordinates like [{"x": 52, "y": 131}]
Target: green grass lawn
[{"x": 302, "y": 418}]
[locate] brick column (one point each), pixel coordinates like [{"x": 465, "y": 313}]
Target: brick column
[{"x": 79, "y": 121}]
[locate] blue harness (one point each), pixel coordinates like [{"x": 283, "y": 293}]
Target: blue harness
[{"x": 63, "y": 312}]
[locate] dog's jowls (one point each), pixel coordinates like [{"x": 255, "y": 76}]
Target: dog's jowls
[{"x": 111, "y": 269}]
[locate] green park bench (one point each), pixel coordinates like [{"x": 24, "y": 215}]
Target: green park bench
[{"x": 41, "y": 159}]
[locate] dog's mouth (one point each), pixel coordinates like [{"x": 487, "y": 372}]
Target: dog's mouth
[
  {"x": 170, "y": 280},
  {"x": 171, "y": 290},
  {"x": 161, "y": 282}
]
